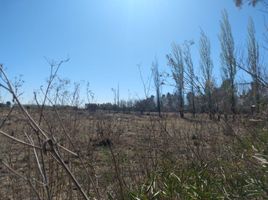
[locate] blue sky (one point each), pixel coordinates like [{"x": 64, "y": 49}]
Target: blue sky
[{"x": 106, "y": 39}]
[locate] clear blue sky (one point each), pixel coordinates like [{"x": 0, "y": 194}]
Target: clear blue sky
[{"x": 106, "y": 39}]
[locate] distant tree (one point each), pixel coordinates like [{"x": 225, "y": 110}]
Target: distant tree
[
  {"x": 190, "y": 73},
  {"x": 228, "y": 58},
  {"x": 262, "y": 79},
  {"x": 115, "y": 95},
  {"x": 169, "y": 101},
  {"x": 191, "y": 100},
  {"x": 118, "y": 96},
  {"x": 145, "y": 83},
  {"x": 219, "y": 94},
  {"x": 157, "y": 85},
  {"x": 8, "y": 104},
  {"x": 206, "y": 65},
  {"x": 106, "y": 106},
  {"x": 175, "y": 60},
  {"x": 89, "y": 93},
  {"x": 92, "y": 107},
  {"x": 253, "y": 63},
  {"x": 239, "y": 3},
  {"x": 143, "y": 105}
]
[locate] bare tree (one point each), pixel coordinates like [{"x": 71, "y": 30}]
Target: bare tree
[
  {"x": 175, "y": 60},
  {"x": 115, "y": 95},
  {"x": 253, "y": 62},
  {"x": 146, "y": 84},
  {"x": 157, "y": 85},
  {"x": 190, "y": 72},
  {"x": 239, "y": 3},
  {"x": 118, "y": 95},
  {"x": 90, "y": 94},
  {"x": 206, "y": 65},
  {"x": 228, "y": 58}
]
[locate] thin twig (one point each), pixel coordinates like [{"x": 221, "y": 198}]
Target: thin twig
[
  {"x": 19, "y": 175},
  {"x": 56, "y": 154},
  {"x": 19, "y": 141},
  {"x": 36, "y": 158}
]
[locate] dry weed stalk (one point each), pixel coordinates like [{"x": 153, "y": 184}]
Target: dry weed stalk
[{"x": 49, "y": 144}]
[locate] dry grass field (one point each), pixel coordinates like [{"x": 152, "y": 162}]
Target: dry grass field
[
  {"x": 134, "y": 100},
  {"x": 131, "y": 156}
]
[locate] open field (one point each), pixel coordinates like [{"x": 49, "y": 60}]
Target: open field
[
  {"x": 134, "y": 100},
  {"x": 119, "y": 154}
]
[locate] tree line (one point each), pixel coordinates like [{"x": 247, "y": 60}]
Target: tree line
[{"x": 199, "y": 93}]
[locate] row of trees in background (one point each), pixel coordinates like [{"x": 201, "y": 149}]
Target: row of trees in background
[
  {"x": 199, "y": 93},
  {"x": 202, "y": 93},
  {"x": 239, "y": 3},
  {"x": 193, "y": 92}
]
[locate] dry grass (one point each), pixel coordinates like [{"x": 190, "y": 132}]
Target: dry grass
[
  {"x": 118, "y": 151},
  {"x": 59, "y": 153}
]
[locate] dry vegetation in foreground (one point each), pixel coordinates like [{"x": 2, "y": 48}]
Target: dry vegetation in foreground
[
  {"x": 128, "y": 156},
  {"x": 58, "y": 153}
]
